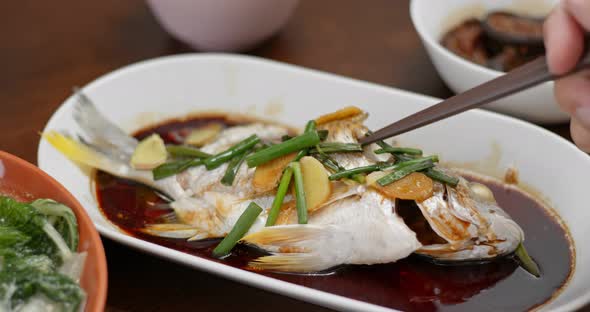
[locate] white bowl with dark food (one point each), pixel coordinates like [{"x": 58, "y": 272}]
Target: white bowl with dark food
[
  {"x": 471, "y": 42},
  {"x": 434, "y": 221}
]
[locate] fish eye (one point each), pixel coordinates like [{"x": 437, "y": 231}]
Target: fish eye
[{"x": 482, "y": 191}]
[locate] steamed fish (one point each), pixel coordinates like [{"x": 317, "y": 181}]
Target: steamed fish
[{"x": 328, "y": 219}]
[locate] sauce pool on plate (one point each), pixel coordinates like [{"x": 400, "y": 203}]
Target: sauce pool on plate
[{"x": 411, "y": 284}]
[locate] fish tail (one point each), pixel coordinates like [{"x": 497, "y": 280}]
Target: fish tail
[
  {"x": 174, "y": 230},
  {"x": 297, "y": 248},
  {"x": 83, "y": 154},
  {"x": 284, "y": 234},
  {"x": 100, "y": 132},
  {"x": 285, "y": 262}
]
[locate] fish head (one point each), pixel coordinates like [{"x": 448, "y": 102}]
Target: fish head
[{"x": 465, "y": 223}]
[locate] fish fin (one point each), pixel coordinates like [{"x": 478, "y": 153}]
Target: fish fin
[
  {"x": 280, "y": 235},
  {"x": 286, "y": 262},
  {"x": 100, "y": 132},
  {"x": 296, "y": 248},
  {"x": 171, "y": 230},
  {"x": 81, "y": 153},
  {"x": 170, "y": 217},
  {"x": 310, "y": 247}
]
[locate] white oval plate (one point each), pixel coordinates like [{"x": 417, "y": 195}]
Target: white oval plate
[{"x": 139, "y": 94}]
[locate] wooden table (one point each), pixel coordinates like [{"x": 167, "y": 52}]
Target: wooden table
[{"x": 50, "y": 46}]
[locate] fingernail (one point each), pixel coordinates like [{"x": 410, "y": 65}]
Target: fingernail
[{"x": 582, "y": 114}]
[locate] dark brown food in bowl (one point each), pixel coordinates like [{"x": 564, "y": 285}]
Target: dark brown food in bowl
[
  {"x": 502, "y": 41},
  {"x": 466, "y": 40},
  {"x": 509, "y": 28}
]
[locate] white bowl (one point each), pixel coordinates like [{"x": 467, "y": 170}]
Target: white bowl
[
  {"x": 432, "y": 19},
  {"x": 153, "y": 90},
  {"x": 222, "y": 25}
]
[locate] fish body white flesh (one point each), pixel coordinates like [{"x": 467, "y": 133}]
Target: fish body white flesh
[{"x": 360, "y": 229}]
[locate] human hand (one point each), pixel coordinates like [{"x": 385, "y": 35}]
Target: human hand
[{"x": 564, "y": 41}]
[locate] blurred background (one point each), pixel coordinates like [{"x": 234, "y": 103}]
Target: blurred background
[{"x": 50, "y": 46}]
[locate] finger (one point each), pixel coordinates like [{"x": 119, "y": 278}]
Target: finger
[
  {"x": 564, "y": 40},
  {"x": 580, "y": 135},
  {"x": 573, "y": 93},
  {"x": 580, "y": 10}
]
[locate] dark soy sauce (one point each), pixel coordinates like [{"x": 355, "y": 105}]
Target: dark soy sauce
[{"x": 411, "y": 284}]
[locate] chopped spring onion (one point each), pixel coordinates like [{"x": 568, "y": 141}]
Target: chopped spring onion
[
  {"x": 403, "y": 169},
  {"x": 351, "y": 172},
  {"x": 336, "y": 147},
  {"x": 273, "y": 214},
  {"x": 218, "y": 159},
  {"x": 174, "y": 167},
  {"x": 526, "y": 261},
  {"x": 299, "y": 193},
  {"x": 232, "y": 168},
  {"x": 399, "y": 150},
  {"x": 308, "y": 128},
  {"x": 331, "y": 164},
  {"x": 409, "y": 161},
  {"x": 295, "y": 144},
  {"x": 404, "y": 157},
  {"x": 328, "y": 162},
  {"x": 442, "y": 177},
  {"x": 262, "y": 146},
  {"x": 433, "y": 173},
  {"x": 386, "y": 148},
  {"x": 241, "y": 227},
  {"x": 186, "y": 151}
]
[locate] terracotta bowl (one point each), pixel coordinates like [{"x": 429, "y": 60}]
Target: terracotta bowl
[{"x": 24, "y": 181}]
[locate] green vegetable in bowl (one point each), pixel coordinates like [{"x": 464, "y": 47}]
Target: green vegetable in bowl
[
  {"x": 63, "y": 219},
  {"x": 39, "y": 265}
]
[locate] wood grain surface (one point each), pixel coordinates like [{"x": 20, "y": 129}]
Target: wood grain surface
[{"x": 50, "y": 46}]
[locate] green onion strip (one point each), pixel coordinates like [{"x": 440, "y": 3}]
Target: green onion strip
[
  {"x": 244, "y": 223},
  {"x": 299, "y": 193},
  {"x": 295, "y": 144},
  {"x": 279, "y": 197}
]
